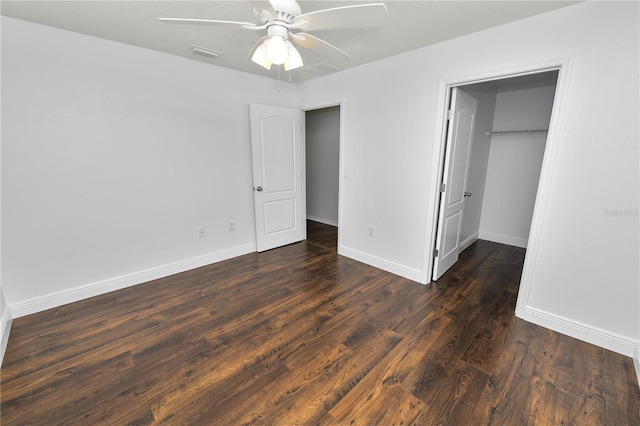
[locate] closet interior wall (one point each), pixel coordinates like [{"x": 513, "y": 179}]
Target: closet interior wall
[{"x": 505, "y": 168}]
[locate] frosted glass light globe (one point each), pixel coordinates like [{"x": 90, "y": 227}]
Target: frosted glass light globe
[{"x": 277, "y": 51}]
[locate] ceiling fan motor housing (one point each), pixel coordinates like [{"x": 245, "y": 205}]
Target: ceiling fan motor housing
[
  {"x": 277, "y": 30},
  {"x": 286, "y": 10}
]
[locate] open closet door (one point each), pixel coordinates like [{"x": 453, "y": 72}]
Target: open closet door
[
  {"x": 278, "y": 178},
  {"x": 462, "y": 115}
]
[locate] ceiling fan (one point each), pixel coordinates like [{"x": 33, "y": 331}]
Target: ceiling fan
[{"x": 277, "y": 47}]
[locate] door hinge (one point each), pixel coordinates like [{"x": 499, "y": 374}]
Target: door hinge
[
  {"x": 435, "y": 252},
  {"x": 443, "y": 186},
  {"x": 450, "y": 114}
]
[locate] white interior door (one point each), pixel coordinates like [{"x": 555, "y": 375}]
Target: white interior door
[
  {"x": 462, "y": 115},
  {"x": 278, "y": 175}
]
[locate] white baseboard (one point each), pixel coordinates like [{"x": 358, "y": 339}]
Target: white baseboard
[
  {"x": 5, "y": 330},
  {"x": 585, "y": 332},
  {"x": 468, "y": 241},
  {"x": 321, "y": 220},
  {"x": 385, "y": 265},
  {"x": 503, "y": 239},
  {"x": 636, "y": 361},
  {"x": 94, "y": 289}
]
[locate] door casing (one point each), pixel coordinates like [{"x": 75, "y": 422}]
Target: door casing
[
  {"x": 327, "y": 104},
  {"x": 563, "y": 66}
]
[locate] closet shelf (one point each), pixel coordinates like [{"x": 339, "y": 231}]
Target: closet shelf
[{"x": 513, "y": 132}]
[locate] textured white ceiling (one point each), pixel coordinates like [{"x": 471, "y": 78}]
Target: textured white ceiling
[{"x": 410, "y": 25}]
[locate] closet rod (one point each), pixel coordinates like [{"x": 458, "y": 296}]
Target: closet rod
[{"x": 509, "y": 132}]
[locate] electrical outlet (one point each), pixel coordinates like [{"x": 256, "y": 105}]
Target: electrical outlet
[
  {"x": 371, "y": 231},
  {"x": 232, "y": 226},
  {"x": 202, "y": 232}
]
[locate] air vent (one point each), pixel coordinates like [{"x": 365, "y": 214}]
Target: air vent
[
  {"x": 319, "y": 68},
  {"x": 197, "y": 50}
]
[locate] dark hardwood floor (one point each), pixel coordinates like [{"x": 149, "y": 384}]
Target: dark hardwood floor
[
  {"x": 300, "y": 335},
  {"x": 322, "y": 235}
]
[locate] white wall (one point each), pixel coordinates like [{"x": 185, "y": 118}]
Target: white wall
[
  {"x": 486, "y": 96},
  {"x": 322, "y": 127},
  {"x": 112, "y": 157},
  {"x": 515, "y": 161},
  {"x": 6, "y": 318},
  {"x": 584, "y": 278}
]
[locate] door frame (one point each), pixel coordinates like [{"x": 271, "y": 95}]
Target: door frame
[
  {"x": 563, "y": 66},
  {"x": 339, "y": 102}
]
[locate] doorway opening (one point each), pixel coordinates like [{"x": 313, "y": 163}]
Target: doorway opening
[
  {"x": 322, "y": 165},
  {"x": 500, "y": 171}
]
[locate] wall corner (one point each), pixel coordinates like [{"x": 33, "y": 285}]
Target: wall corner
[{"x": 6, "y": 320}]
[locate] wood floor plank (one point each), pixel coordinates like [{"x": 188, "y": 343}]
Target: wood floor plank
[
  {"x": 316, "y": 368},
  {"x": 54, "y": 399},
  {"x": 133, "y": 397},
  {"x": 437, "y": 364},
  {"x": 210, "y": 410},
  {"x": 302, "y": 335},
  {"x": 405, "y": 358},
  {"x": 554, "y": 407},
  {"x": 485, "y": 348},
  {"x": 505, "y": 381},
  {"x": 448, "y": 405},
  {"x": 393, "y": 405},
  {"x": 316, "y": 401},
  {"x": 322, "y": 235},
  {"x": 45, "y": 365},
  {"x": 81, "y": 334}
]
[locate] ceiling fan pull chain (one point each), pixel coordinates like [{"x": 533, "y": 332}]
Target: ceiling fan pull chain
[
  {"x": 278, "y": 78},
  {"x": 289, "y": 76}
]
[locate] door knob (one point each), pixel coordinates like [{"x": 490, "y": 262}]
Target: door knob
[
  {"x": 259, "y": 189},
  {"x": 467, "y": 194}
]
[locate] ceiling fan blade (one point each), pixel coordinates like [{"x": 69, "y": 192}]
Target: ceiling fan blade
[
  {"x": 363, "y": 15},
  {"x": 247, "y": 25},
  {"x": 320, "y": 47},
  {"x": 263, "y": 16},
  {"x": 262, "y": 5}
]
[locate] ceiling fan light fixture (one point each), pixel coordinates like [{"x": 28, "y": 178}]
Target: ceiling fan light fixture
[
  {"x": 260, "y": 56},
  {"x": 284, "y": 16}
]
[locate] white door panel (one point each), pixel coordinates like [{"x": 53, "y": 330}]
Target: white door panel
[
  {"x": 278, "y": 178},
  {"x": 451, "y": 231},
  {"x": 277, "y": 144},
  {"x": 281, "y": 215},
  {"x": 456, "y": 167}
]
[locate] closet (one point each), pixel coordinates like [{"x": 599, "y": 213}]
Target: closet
[{"x": 506, "y": 157}]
